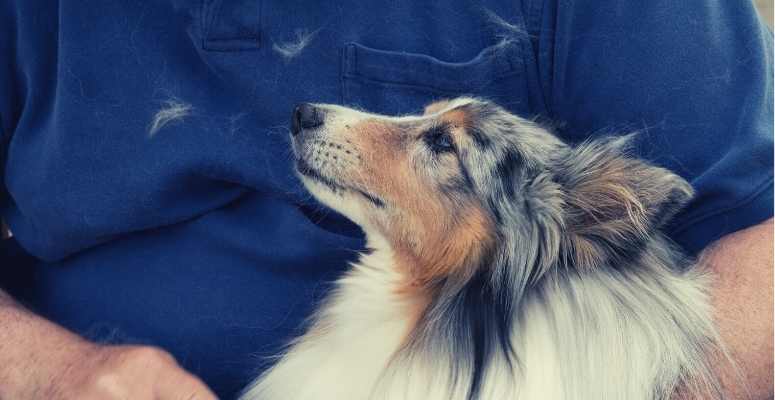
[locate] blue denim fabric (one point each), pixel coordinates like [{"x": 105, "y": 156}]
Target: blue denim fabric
[{"x": 200, "y": 239}]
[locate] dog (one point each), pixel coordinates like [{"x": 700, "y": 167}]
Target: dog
[{"x": 503, "y": 264}]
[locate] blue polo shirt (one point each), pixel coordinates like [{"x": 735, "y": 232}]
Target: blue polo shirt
[{"x": 193, "y": 234}]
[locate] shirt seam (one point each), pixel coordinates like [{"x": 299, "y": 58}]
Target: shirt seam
[
  {"x": 447, "y": 91},
  {"x": 536, "y": 10}
]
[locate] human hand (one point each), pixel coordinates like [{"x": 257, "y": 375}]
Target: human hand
[{"x": 97, "y": 372}]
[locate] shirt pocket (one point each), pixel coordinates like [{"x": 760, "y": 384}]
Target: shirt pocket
[
  {"x": 231, "y": 25},
  {"x": 396, "y": 82}
]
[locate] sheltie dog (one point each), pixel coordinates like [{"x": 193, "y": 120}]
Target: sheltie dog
[{"x": 502, "y": 264}]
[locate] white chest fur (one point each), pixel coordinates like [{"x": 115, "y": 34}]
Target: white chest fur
[{"x": 626, "y": 334}]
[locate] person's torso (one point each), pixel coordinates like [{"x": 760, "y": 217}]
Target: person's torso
[{"x": 150, "y": 167}]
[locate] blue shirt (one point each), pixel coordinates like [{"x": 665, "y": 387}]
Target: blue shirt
[{"x": 199, "y": 238}]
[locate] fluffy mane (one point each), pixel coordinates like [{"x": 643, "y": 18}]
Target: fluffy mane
[{"x": 567, "y": 289}]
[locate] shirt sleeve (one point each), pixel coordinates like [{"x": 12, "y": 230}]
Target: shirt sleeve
[
  {"x": 5, "y": 100},
  {"x": 694, "y": 78},
  {"x": 15, "y": 263}
]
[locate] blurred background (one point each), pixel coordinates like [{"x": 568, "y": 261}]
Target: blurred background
[{"x": 765, "y": 9}]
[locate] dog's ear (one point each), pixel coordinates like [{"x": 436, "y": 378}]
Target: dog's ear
[{"x": 614, "y": 203}]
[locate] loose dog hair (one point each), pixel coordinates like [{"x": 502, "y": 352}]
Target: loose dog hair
[{"x": 503, "y": 264}]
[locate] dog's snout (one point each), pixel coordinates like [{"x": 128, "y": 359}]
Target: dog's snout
[{"x": 306, "y": 116}]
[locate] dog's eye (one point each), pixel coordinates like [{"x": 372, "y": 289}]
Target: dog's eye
[{"x": 439, "y": 140}]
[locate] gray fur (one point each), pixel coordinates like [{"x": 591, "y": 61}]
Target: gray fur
[
  {"x": 581, "y": 281},
  {"x": 578, "y": 240}
]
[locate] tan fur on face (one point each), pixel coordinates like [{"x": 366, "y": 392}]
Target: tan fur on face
[
  {"x": 453, "y": 252},
  {"x": 432, "y": 237},
  {"x": 436, "y": 107},
  {"x": 456, "y": 117}
]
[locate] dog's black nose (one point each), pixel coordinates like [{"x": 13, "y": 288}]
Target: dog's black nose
[{"x": 306, "y": 116}]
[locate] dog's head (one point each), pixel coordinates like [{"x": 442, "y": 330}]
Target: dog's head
[{"x": 468, "y": 185}]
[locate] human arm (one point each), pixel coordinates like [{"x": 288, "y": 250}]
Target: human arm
[
  {"x": 741, "y": 267},
  {"x": 41, "y": 360}
]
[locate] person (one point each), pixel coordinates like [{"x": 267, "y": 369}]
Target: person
[{"x": 149, "y": 192}]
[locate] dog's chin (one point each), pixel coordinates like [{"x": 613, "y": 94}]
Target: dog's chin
[
  {"x": 337, "y": 197},
  {"x": 307, "y": 171}
]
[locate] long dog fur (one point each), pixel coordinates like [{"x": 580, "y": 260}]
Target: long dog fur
[{"x": 507, "y": 266}]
